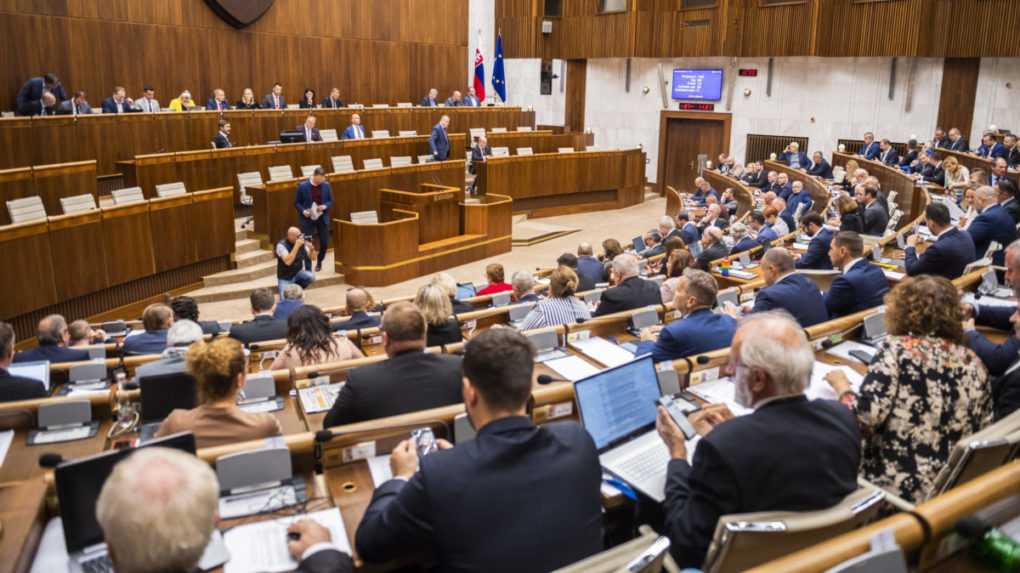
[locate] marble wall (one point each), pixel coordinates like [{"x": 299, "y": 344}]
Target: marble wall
[{"x": 998, "y": 91}]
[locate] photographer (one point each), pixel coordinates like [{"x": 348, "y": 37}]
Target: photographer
[{"x": 294, "y": 260}]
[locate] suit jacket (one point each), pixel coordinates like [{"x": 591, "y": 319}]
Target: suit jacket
[
  {"x": 326, "y": 561},
  {"x": 477, "y": 156},
  {"x": 285, "y": 307},
  {"x": 817, "y": 255},
  {"x": 997, "y": 357},
  {"x": 358, "y": 320},
  {"x": 67, "y": 108},
  {"x": 789, "y": 455},
  {"x": 267, "y": 102},
  {"x": 110, "y": 106},
  {"x": 766, "y": 236},
  {"x": 470, "y": 101},
  {"x": 589, "y": 273},
  {"x": 946, "y": 257},
  {"x": 851, "y": 222},
  {"x": 262, "y": 327},
  {"x": 860, "y": 287},
  {"x": 211, "y": 105},
  {"x": 759, "y": 179},
  {"x": 822, "y": 169},
  {"x": 795, "y": 200},
  {"x": 869, "y": 151},
  {"x": 933, "y": 174},
  {"x": 221, "y": 141},
  {"x": 148, "y": 342},
  {"x": 906, "y": 161},
  {"x": 996, "y": 150},
  {"x": 1013, "y": 157},
  {"x": 407, "y": 382},
  {"x": 876, "y": 219},
  {"x": 690, "y": 233},
  {"x": 304, "y": 198},
  {"x": 14, "y": 388},
  {"x": 443, "y": 334},
  {"x": 349, "y": 132},
  {"x": 1012, "y": 207},
  {"x": 889, "y": 156},
  {"x": 144, "y": 105},
  {"x": 993, "y": 224},
  {"x": 635, "y": 292},
  {"x": 959, "y": 145},
  {"x": 797, "y": 295},
  {"x": 1006, "y": 394},
  {"x": 331, "y": 103},
  {"x": 315, "y": 133},
  {"x": 53, "y": 354},
  {"x": 716, "y": 251},
  {"x": 539, "y": 483},
  {"x": 451, "y": 103},
  {"x": 428, "y": 102},
  {"x": 787, "y": 158},
  {"x": 439, "y": 143},
  {"x": 746, "y": 243},
  {"x": 701, "y": 331},
  {"x": 29, "y": 97}
]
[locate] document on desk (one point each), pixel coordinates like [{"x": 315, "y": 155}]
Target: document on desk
[
  {"x": 262, "y": 546},
  {"x": 572, "y": 368},
  {"x": 65, "y": 435},
  {"x": 603, "y": 351},
  {"x": 5, "y": 444},
  {"x": 893, "y": 275},
  {"x": 315, "y": 399},
  {"x": 820, "y": 389},
  {"x": 380, "y": 468},
  {"x": 720, "y": 391}
]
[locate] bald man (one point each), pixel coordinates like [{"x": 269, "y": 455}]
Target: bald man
[
  {"x": 788, "y": 290},
  {"x": 359, "y": 303},
  {"x": 53, "y": 338},
  {"x": 993, "y": 224},
  {"x": 590, "y": 271}
]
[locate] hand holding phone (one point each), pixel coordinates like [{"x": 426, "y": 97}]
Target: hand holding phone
[{"x": 679, "y": 416}]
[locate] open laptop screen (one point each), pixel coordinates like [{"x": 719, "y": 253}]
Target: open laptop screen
[
  {"x": 35, "y": 370},
  {"x": 619, "y": 402}
]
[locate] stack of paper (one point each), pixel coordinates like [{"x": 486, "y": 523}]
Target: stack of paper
[
  {"x": 843, "y": 349},
  {"x": 316, "y": 399},
  {"x": 379, "y": 466},
  {"x": 820, "y": 389},
  {"x": 603, "y": 351},
  {"x": 262, "y": 546},
  {"x": 572, "y": 368},
  {"x": 720, "y": 391}
]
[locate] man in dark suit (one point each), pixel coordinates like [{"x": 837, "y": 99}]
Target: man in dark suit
[
  {"x": 13, "y": 388},
  {"x": 993, "y": 224},
  {"x": 817, "y": 255},
  {"x": 471, "y": 99},
  {"x": 631, "y": 291},
  {"x": 989, "y": 148},
  {"x": 185, "y": 308},
  {"x": 794, "y": 157},
  {"x": 819, "y": 166},
  {"x": 409, "y": 381},
  {"x": 119, "y": 102},
  {"x": 431, "y": 100},
  {"x": 999, "y": 171},
  {"x": 887, "y": 153},
  {"x": 790, "y": 454},
  {"x": 222, "y": 139},
  {"x": 539, "y": 483},
  {"x": 797, "y": 198},
  {"x": 789, "y": 291},
  {"x": 763, "y": 233},
  {"x": 699, "y": 330},
  {"x": 355, "y": 130},
  {"x": 309, "y": 130},
  {"x": 940, "y": 139},
  {"x": 358, "y": 304},
  {"x": 702, "y": 191},
  {"x": 218, "y": 102},
  {"x": 479, "y": 153},
  {"x": 46, "y": 105},
  {"x": 293, "y": 298},
  {"x": 930, "y": 169},
  {"x": 951, "y": 252},
  {"x": 157, "y": 320},
  {"x": 455, "y": 99},
  {"x": 689, "y": 232},
  {"x": 1012, "y": 151},
  {"x": 52, "y": 337},
  {"x": 313, "y": 202},
  {"x": 712, "y": 247},
  {"x": 870, "y": 149},
  {"x": 333, "y": 101},
  {"x": 439, "y": 142},
  {"x": 262, "y": 326},
  {"x": 860, "y": 285},
  {"x": 1007, "y": 195},
  {"x": 756, "y": 175},
  {"x": 29, "y": 98},
  {"x": 956, "y": 141},
  {"x": 274, "y": 99},
  {"x": 78, "y": 105},
  {"x": 876, "y": 217},
  {"x": 589, "y": 270}
]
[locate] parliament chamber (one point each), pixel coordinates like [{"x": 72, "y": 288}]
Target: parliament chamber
[{"x": 511, "y": 285}]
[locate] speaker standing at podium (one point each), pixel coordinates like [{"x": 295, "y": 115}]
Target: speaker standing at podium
[
  {"x": 439, "y": 143},
  {"x": 314, "y": 200}
]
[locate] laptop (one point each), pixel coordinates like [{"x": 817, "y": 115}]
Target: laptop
[
  {"x": 639, "y": 243},
  {"x": 643, "y": 319},
  {"x": 466, "y": 290},
  {"x": 618, "y": 407},
  {"x": 35, "y": 370},
  {"x": 161, "y": 395}
]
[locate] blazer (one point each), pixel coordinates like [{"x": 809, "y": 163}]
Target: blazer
[
  {"x": 331, "y": 103},
  {"x": 315, "y": 133},
  {"x": 67, "y": 108},
  {"x": 53, "y": 353},
  {"x": 746, "y": 243},
  {"x": 1005, "y": 394},
  {"x": 701, "y": 331},
  {"x": 889, "y": 156},
  {"x": 31, "y": 93},
  {"x": 716, "y": 251},
  {"x": 477, "y": 156},
  {"x": 303, "y": 104},
  {"x": 791, "y": 454},
  {"x": 851, "y": 222},
  {"x": 407, "y": 382},
  {"x": 817, "y": 255},
  {"x": 359, "y": 319},
  {"x": 634, "y": 292},
  {"x": 221, "y": 141},
  {"x": 539, "y": 483},
  {"x": 906, "y": 161},
  {"x": 869, "y": 151},
  {"x": 860, "y": 287},
  {"x": 14, "y": 388},
  {"x": 589, "y": 273},
  {"x": 262, "y": 327},
  {"x": 349, "y": 133},
  {"x": 823, "y": 170},
  {"x": 933, "y": 174},
  {"x": 439, "y": 143},
  {"x": 110, "y": 106},
  {"x": 445, "y": 333},
  {"x": 240, "y": 104},
  {"x": 959, "y": 145},
  {"x": 996, "y": 150},
  {"x": 267, "y": 102},
  {"x": 470, "y": 101},
  {"x": 428, "y": 102},
  {"x": 766, "y": 235},
  {"x": 148, "y": 342},
  {"x": 787, "y": 158},
  {"x": 304, "y": 198},
  {"x": 993, "y": 224},
  {"x": 285, "y": 307},
  {"x": 758, "y": 179},
  {"x": 210, "y": 105},
  {"x": 795, "y": 200},
  {"x": 451, "y": 103},
  {"x": 946, "y": 257},
  {"x": 876, "y": 219},
  {"x": 997, "y": 357},
  {"x": 1013, "y": 157},
  {"x": 1012, "y": 207},
  {"x": 690, "y": 233},
  {"x": 700, "y": 196},
  {"x": 150, "y": 106},
  {"x": 797, "y": 295},
  {"x": 326, "y": 561}
]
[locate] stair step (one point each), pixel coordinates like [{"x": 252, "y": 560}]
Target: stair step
[
  {"x": 246, "y": 246},
  {"x": 241, "y": 234},
  {"x": 241, "y": 275},
  {"x": 250, "y": 259}
]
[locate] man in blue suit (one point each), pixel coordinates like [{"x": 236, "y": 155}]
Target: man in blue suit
[
  {"x": 589, "y": 270},
  {"x": 359, "y": 302},
  {"x": 782, "y": 187},
  {"x": 990, "y": 148},
  {"x": 742, "y": 241},
  {"x": 53, "y": 337},
  {"x": 794, "y": 157},
  {"x": 951, "y": 252},
  {"x": 764, "y": 233},
  {"x": 702, "y": 191},
  {"x": 29, "y": 97},
  {"x": 819, "y": 166},
  {"x": 956, "y": 141},
  {"x": 471, "y": 99},
  {"x": 439, "y": 142},
  {"x": 355, "y": 130},
  {"x": 157, "y": 320},
  {"x": 817, "y": 255},
  {"x": 861, "y": 285},
  {"x": 218, "y": 102},
  {"x": 789, "y": 291},
  {"x": 431, "y": 99},
  {"x": 308, "y": 129},
  {"x": 314, "y": 200},
  {"x": 688, "y": 230},
  {"x": 797, "y": 198},
  {"x": 870, "y": 148},
  {"x": 118, "y": 102},
  {"x": 274, "y": 99},
  {"x": 993, "y": 224},
  {"x": 700, "y": 329},
  {"x": 887, "y": 153}
]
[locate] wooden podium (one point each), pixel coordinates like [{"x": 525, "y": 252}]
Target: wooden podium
[{"x": 437, "y": 206}]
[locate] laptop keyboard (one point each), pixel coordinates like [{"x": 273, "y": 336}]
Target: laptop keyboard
[
  {"x": 642, "y": 466},
  {"x": 101, "y": 564}
]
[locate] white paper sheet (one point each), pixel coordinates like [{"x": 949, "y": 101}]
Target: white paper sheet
[
  {"x": 5, "y": 444},
  {"x": 820, "y": 389},
  {"x": 603, "y": 351},
  {"x": 262, "y": 546},
  {"x": 843, "y": 349},
  {"x": 380, "y": 468},
  {"x": 720, "y": 391},
  {"x": 572, "y": 368},
  {"x": 53, "y": 436},
  {"x": 319, "y": 398},
  {"x": 987, "y": 301}
]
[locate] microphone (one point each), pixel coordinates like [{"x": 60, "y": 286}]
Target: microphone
[
  {"x": 50, "y": 460},
  {"x": 827, "y": 344},
  {"x": 544, "y": 379}
]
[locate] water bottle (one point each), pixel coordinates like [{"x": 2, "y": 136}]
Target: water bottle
[{"x": 990, "y": 546}]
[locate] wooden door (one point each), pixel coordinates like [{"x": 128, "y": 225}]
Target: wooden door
[{"x": 682, "y": 137}]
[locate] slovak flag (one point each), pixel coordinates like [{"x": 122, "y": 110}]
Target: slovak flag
[{"x": 479, "y": 76}]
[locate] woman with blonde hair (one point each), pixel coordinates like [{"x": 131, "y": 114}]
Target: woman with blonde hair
[
  {"x": 247, "y": 100},
  {"x": 957, "y": 176},
  {"x": 850, "y": 168},
  {"x": 310, "y": 340},
  {"x": 441, "y": 327},
  {"x": 561, "y": 307},
  {"x": 219, "y": 370}
]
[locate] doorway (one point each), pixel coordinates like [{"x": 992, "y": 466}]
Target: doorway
[{"x": 683, "y": 136}]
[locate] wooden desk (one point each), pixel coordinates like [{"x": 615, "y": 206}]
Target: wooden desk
[
  {"x": 743, "y": 194},
  {"x": 22, "y": 512},
  {"x": 814, "y": 186},
  {"x": 23, "y": 460},
  {"x": 541, "y": 141},
  {"x": 548, "y": 184},
  {"x": 910, "y": 197},
  {"x": 50, "y": 182}
]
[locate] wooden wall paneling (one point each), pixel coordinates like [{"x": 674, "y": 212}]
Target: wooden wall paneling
[
  {"x": 959, "y": 91},
  {"x": 577, "y": 77},
  {"x": 128, "y": 235},
  {"x": 173, "y": 233},
  {"x": 26, "y": 247},
  {"x": 53, "y": 182},
  {"x": 779, "y": 30},
  {"x": 889, "y": 28},
  {"x": 14, "y": 184},
  {"x": 81, "y": 256},
  {"x": 699, "y": 30},
  {"x": 985, "y": 21},
  {"x": 16, "y": 132},
  {"x": 213, "y": 212}
]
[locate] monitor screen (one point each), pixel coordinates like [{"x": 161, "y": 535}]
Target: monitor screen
[
  {"x": 618, "y": 402},
  {"x": 35, "y": 370},
  {"x": 703, "y": 84},
  {"x": 466, "y": 290}
]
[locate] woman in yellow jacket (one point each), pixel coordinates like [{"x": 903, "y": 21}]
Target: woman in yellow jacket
[{"x": 182, "y": 102}]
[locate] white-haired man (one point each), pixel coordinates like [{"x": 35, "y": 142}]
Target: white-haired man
[
  {"x": 712, "y": 247},
  {"x": 180, "y": 336},
  {"x": 790, "y": 454},
  {"x": 630, "y": 290}
]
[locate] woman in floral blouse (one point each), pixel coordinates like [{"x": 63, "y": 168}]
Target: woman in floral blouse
[{"x": 923, "y": 392}]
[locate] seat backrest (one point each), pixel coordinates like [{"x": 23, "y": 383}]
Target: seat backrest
[
  {"x": 979, "y": 453},
  {"x": 400, "y": 160},
  {"x": 328, "y": 134},
  {"x": 891, "y": 200},
  {"x": 307, "y": 170},
  {"x": 894, "y": 220},
  {"x": 26, "y": 209},
  {"x": 293, "y": 106},
  {"x": 565, "y": 149},
  {"x": 404, "y": 104},
  {"x": 742, "y": 541},
  {"x": 356, "y": 105},
  {"x": 174, "y": 189},
  {"x": 373, "y": 163},
  {"x": 380, "y": 133},
  {"x": 593, "y": 148},
  {"x": 407, "y": 133},
  {"x": 127, "y": 195},
  {"x": 500, "y": 151},
  {"x": 78, "y": 203},
  {"x": 248, "y": 178},
  {"x": 380, "y": 105},
  {"x": 280, "y": 172},
  {"x": 525, "y": 151},
  {"x": 476, "y": 132},
  {"x": 642, "y": 555},
  {"x": 342, "y": 163},
  {"x": 498, "y": 130},
  {"x": 524, "y": 128},
  {"x": 365, "y": 217}
]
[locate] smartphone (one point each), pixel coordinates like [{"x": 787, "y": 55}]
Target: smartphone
[
  {"x": 676, "y": 411},
  {"x": 424, "y": 441}
]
